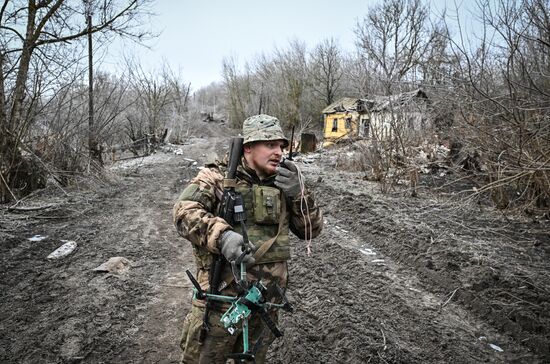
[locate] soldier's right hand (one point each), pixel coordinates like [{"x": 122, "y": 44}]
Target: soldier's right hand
[{"x": 231, "y": 247}]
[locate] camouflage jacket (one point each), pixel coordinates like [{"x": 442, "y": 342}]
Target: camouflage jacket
[{"x": 195, "y": 219}]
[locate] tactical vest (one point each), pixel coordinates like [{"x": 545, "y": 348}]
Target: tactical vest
[{"x": 264, "y": 211}]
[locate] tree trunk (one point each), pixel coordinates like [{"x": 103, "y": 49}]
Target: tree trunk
[
  {"x": 3, "y": 121},
  {"x": 93, "y": 145},
  {"x": 11, "y": 157},
  {"x": 22, "y": 73}
]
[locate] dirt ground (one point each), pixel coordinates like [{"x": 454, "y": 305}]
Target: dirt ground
[{"x": 392, "y": 278}]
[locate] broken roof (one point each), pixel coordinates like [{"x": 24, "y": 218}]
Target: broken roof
[
  {"x": 344, "y": 104},
  {"x": 380, "y": 103},
  {"x": 374, "y": 103}
]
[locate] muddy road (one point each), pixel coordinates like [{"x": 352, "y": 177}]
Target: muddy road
[{"x": 392, "y": 279}]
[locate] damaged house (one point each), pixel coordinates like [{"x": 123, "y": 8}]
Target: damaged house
[{"x": 376, "y": 117}]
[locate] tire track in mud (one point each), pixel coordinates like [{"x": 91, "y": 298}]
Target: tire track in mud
[
  {"x": 349, "y": 309},
  {"x": 159, "y": 254},
  {"x": 171, "y": 291},
  {"x": 422, "y": 322}
]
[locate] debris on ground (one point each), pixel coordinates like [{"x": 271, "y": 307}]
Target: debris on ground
[
  {"x": 37, "y": 238},
  {"x": 496, "y": 348},
  {"x": 114, "y": 265},
  {"x": 67, "y": 248}
]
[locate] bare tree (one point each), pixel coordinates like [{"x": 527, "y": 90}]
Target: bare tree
[
  {"x": 161, "y": 106},
  {"x": 41, "y": 31},
  {"x": 505, "y": 98},
  {"x": 291, "y": 67},
  {"x": 357, "y": 79},
  {"x": 435, "y": 64},
  {"x": 392, "y": 38},
  {"x": 152, "y": 96},
  {"x": 180, "y": 91},
  {"x": 242, "y": 91},
  {"x": 279, "y": 84},
  {"x": 326, "y": 70}
]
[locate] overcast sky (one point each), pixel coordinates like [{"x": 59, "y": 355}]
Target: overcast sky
[{"x": 195, "y": 35}]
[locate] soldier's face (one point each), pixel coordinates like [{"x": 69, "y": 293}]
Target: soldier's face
[{"x": 264, "y": 157}]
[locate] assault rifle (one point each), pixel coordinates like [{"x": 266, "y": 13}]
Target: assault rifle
[
  {"x": 251, "y": 299},
  {"x": 232, "y": 211}
]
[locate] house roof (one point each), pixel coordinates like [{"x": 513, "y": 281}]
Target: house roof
[
  {"x": 374, "y": 103},
  {"x": 381, "y": 103},
  {"x": 344, "y": 104}
]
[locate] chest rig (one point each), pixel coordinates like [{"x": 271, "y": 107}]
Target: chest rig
[{"x": 266, "y": 221}]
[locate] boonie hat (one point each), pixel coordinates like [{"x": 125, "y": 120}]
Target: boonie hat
[{"x": 261, "y": 128}]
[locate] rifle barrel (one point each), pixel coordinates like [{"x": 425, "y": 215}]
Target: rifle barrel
[{"x": 235, "y": 152}]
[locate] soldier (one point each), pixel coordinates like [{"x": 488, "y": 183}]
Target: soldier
[{"x": 276, "y": 201}]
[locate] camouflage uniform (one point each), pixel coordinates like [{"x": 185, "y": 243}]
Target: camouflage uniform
[{"x": 194, "y": 217}]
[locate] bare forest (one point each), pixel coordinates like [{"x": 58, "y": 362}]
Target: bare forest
[{"x": 436, "y": 240}]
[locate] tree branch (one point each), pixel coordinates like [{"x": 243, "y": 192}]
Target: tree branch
[{"x": 85, "y": 30}]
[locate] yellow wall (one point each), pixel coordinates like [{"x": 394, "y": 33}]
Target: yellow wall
[
  {"x": 378, "y": 125},
  {"x": 342, "y": 131}
]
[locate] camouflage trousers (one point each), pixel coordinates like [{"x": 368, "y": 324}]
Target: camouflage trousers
[{"x": 219, "y": 342}]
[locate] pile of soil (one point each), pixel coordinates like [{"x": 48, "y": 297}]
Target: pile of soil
[{"x": 392, "y": 279}]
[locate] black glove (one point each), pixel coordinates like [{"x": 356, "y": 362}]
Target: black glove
[
  {"x": 287, "y": 179},
  {"x": 231, "y": 247}
]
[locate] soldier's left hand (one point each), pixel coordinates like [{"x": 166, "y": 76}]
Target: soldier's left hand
[{"x": 288, "y": 179}]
